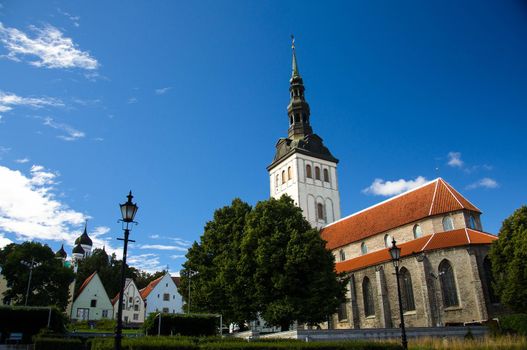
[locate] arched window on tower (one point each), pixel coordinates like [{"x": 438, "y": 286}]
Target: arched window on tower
[
  {"x": 284, "y": 177},
  {"x": 291, "y": 120},
  {"x": 277, "y": 180},
  {"x": 297, "y": 118},
  {"x": 448, "y": 284},
  {"x": 387, "y": 241},
  {"x": 304, "y": 118},
  {"x": 472, "y": 222},
  {"x": 448, "y": 224},
  {"x": 342, "y": 255},
  {"x": 407, "y": 291},
  {"x": 289, "y": 173},
  {"x": 326, "y": 175},
  {"x": 308, "y": 171},
  {"x": 317, "y": 173},
  {"x": 367, "y": 296},
  {"x": 320, "y": 212},
  {"x": 418, "y": 232}
]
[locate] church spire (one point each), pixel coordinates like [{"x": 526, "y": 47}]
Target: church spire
[{"x": 298, "y": 109}]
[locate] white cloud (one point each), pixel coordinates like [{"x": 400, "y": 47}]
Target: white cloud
[
  {"x": 74, "y": 19},
  {"x": 30, "y": 210},
  {"x": 154, "y": 236},
  {"x": 22, "y": 160},
  {"x": 4, "y": 241},
  {"x": 146, "y": 262},
  {"x": 486, "y": 182},
  {"x": 163, "y": 247},
  {"x": 51, "y": 48},
  {"x": 72, "y": 134},
  {"x": 162, "y": 91},
  {"x": 379, "y": 187},
  {"x": 9, "y": 100},
  {"x": 177, "y": 256},
  {"x": 454, "y": 159}
]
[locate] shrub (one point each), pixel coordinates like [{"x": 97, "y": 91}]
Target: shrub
[
  {"x": 181, "y": 324},
  {"x": 514, "y": 324},
  {"x": 57, "y": 344},
  {"x": 29, "y": 321}
]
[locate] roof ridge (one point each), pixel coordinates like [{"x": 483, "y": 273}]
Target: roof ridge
[
  {"x": 449, "y": 186},
  {"x": 453, "y": 195},
  {"x": 384, "y": 201},
  {"x": 434, "y": 197},
  {"x": 426, "y": 244},
  {"x": 466, "y": 234}
]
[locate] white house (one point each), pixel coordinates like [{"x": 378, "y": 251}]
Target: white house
[
  {"x": 162, "y": 295},
  {"x": 133, "y": 304},
  {"x": 92, "y": 302}
]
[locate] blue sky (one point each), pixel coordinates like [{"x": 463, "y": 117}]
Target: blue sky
[{"x": 182, "y": 102}]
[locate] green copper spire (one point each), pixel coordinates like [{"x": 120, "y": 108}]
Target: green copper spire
[{"x": 295, "y": 65}]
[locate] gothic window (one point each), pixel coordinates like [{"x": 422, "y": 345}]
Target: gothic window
[
  {"x": 297, "y": 118},
  {"x": 326, "y": 175},
  {"x": 387, "y": 241},
  {"x": 367, "y": 296},
  {"x": 418, "y": 232},
  {"x": 277, "y": 180},
  {"x": 291, "y": 119},
  {"x": 320, "y": 212},
  {"x": 284, "y": 178},
  {"x": 472, "y": 222},
  {"x": 448, "y": 224},
  {"x": 363, "y": 248},
  {"x": 342, "y": 255},
  {"x": 308, "y": 171},
  {"x": 289, "y": 173},
  {"x": 343, "y": 312},
  {"x": 487, "y": 269},
  {"x": 448, "y": 284},
  {"x": 407, "y": 290},
  {"x": 317, "y": 173}
]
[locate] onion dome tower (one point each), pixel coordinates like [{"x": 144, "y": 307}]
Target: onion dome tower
[
  {"x": 85, "y": 241},
  {"x": 61, "y": 253},
  {"x": 78, "y": 252},
  {"x": 303, "y": 167}
]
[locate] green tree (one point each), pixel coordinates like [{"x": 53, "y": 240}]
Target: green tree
[
  {"x": 508, "y": 256},
  {"x": 49, "y": 281},
  {"x": 217, "y": 286},
  {"x": 143, "y": 278},
  {"x": 266, "y": 260}
]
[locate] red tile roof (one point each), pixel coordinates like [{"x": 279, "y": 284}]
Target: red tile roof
[
  {"x": 85, "y": 283},
  {"x": 148, "y": 289},
  {"x": 433, "y": 198},
  {"x": 448, "y": 239},
  {"x": 176, "y": 280}
]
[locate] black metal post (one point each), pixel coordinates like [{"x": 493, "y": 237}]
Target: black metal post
[
  {"x": 119, "y": 327},
  {"x": 403, "y": 329}
]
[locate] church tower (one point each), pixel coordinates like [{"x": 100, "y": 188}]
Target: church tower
[{"x": 303, "y": 167}]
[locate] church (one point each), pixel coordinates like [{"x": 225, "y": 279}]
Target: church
[{"x": 444, "y": 269}]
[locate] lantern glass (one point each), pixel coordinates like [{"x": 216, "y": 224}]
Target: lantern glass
[
  {"x": 395, "y": 251},
  {"x": 128, "y": 209}
]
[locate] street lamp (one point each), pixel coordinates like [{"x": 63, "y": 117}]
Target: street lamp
[
  {"x": 190, "y": 274},
  {"x": 31, "y": 265},
  {"x": 128, "y": 211},
  {"x": 395, "y": 253}
]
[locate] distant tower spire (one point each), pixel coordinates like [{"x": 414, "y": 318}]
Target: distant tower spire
[{"x": 298, "y": 109}]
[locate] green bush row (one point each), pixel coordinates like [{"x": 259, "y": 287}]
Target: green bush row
[
  {"x": 514, "y": 324},
  {"x": 181, "y": 324},
  {"x": 29, "y": 321},
  {"x": 179, "y": 343}
]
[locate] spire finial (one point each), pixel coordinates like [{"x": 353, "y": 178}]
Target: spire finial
[
  {"x": 295, "y": 64},
  {"x": 130, "y": 196},
  {"x": 86, "y": 226}
]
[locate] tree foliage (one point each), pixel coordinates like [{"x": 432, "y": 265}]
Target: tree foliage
[
  {"x": 264, "y": 260},
  {"x": 49, "y": 281},
  {"x": 508, "y": 255}
]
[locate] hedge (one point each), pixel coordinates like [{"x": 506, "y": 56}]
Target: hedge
[
  {"x": 182, "y": 324},
  {"x": 29, "y": 321},
  {"x": 57, "y": 344},
  {"x": 179, "y": 343},
  {"x": 514, "y": 324}
]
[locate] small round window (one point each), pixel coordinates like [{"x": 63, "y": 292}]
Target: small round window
[{"x": 418, "y": 232}]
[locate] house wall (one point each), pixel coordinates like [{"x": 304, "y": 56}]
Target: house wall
[
  {"x": 133, "y": 305},
  {"x": 82, "y": 304},
  {"x": 155, "y": 302}
]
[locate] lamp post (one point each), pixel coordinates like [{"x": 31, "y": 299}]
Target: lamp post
[
  {"x": 190, "y": 274},
  {"x": 128, "y": 211},
  {"x": 31, "y": 265},
  {"x": 395, "y": 253}
]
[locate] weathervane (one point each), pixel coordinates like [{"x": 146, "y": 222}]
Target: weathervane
[{"x": 292, "y": 41}]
